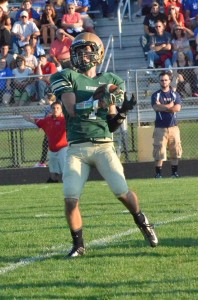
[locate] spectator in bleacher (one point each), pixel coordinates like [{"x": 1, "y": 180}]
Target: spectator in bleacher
[
  {"x": 180, "y": 42},
  {"x": 4, "y": 4},
  {"x": 71, "y": 21},
  {"x": 60, "y": 49},
  {"x": 42, "y": 83},
  {"x": 36, "y": 46},
  {"x": 4, "y": 53},
  {"x": 104, "y": 6},
  {"x": 82, "y": 7},
  {"x": 39, "y": 5},
  {"x": 191, "y": 13},
  {"x": 175, "y": 18},
  {"x": 149, "y": 26},
  {"x": 48, "y": 24},
  {"x": 144, "y": 7},
  {"x": 30, "y": 60},
  {"x": 60, "y": 8},
  {"x": 177, "y": 3},
  {"x": 5, "y": 28},
  {"x": 5, "y": 85},
  {"x": 24, "y": 87},
  {"x": 184, "y": 80},
  {"x": 54, "y": 127},
  {"x": 22, "y": 31},
  {"x": 160, "y": 47},
  {"x": 32, "y": 13},
  {"x": 110, "y": 9}
]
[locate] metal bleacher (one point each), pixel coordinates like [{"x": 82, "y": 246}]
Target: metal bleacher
[{"x": 130, "y": 56}]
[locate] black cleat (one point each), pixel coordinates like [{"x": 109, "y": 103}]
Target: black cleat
[
  {"x": 158, "y": 176},
  {"x": 148, "y": 232},
  {"x": 76, "y": 252},
  {"x": 175, "y": 175},
  {"x": 50, "y": 180}
]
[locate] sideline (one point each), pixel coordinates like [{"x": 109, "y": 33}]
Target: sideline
[{"x": 94, "y": 243}]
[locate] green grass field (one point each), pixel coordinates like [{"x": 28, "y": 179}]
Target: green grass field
[{"x": 118, "y": 263}]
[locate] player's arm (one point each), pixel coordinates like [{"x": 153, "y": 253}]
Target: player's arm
[
  {"x": 69, "y": 101},
  {"x": 28, "y": 118}
]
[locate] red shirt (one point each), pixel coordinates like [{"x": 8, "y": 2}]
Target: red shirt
[
  {"x": 61, "y": 49},
  {"x": 49, "y": 68},
  {"x": 177, "y": 4},
  {"x": 55, "y": 131},
  {"x": 71, "y": 18}
]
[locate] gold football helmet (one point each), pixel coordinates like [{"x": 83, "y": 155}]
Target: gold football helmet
[{"x": 86, "y": 45}]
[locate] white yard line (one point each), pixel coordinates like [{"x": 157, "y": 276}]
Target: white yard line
[
  {"x": 19, "y": 190},
  {"x": 100, "y": 242},
  {"x": 10, "y": 192}
]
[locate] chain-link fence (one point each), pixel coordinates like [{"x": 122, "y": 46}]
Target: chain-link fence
[{"x": 21, "y": 142}]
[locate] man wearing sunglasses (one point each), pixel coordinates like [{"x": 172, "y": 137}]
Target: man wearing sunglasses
[{"x": 22, "y": 31}]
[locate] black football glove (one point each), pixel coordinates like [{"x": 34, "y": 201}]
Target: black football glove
[{"x": 127, "y": 105}]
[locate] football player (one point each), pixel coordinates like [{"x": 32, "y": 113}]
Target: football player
[{"x": 95, "y": 106}]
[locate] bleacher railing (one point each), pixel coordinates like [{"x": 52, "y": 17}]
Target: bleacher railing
[
  {"x": 21, "y": 142},
  {"x": 108, "y": 56},
  {"x": 124, "y": 8}
]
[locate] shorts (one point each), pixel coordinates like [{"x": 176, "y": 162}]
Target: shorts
[
  {"x": 81, "y": 157},
  {"x": 57, "y": 160},
  {"x": 167, "y": 137}
]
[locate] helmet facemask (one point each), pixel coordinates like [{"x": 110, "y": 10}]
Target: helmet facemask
[{"x": 85, "y": 55}]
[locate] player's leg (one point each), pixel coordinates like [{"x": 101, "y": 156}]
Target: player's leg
[
  {"x": 175, "y": 149},
  {"x": 75, "y": 174},
  {"x": 160, "y": 139},
  {"x": 110, "y": 167}
]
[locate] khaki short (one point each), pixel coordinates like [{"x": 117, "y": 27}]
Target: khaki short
[
  {"x": 167, "y": 137},
  {"x": 79, "y": 160},
  {"x": 56, "y": 160}
]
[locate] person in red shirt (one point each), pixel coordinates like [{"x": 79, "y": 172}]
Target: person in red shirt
[
  {"x": 71, "y": 21},
  {"x": 175, "y": 18},
  {"x": 60, "y": 49},
  {"x": 168, "y": 3},
  {"x": 54, "y": 127},
  {"x": 42, "y": 83}
]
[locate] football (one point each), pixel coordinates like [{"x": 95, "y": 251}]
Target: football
[
  {"x": 103, "y": 89},
  {"x": 111, "y": 88}
]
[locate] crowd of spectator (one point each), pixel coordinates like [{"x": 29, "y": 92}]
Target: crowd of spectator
[
  {"x": 35, "y": 39},
  {"x": 170, "y": 40},
  {"x": 40, "y": 33}
]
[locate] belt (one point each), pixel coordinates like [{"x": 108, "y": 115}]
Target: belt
[{"x": 91, "y": 140}]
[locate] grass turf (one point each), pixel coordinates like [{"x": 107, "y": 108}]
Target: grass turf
[{"x": 118, "y": 263}]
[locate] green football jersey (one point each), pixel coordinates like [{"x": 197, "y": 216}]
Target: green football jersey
[{"x": 86, "y": 125}]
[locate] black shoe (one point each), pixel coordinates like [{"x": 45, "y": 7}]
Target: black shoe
[
  {"x": 50, "y": 180},
  {"x": 148, "y": 232},
  {"x": 158, "y": 176},
  {"x": 76, "y": 252},
  {"x": 175, "y": 175}
]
